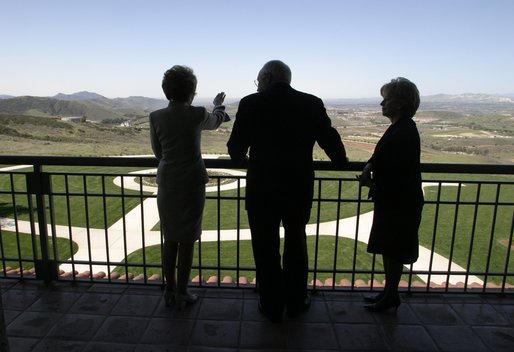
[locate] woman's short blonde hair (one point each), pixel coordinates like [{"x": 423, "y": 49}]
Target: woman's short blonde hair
[{"x": 404, "y": 90}]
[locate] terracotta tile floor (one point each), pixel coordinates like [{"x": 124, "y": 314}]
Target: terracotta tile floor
[{"x": 95, "y": 317}]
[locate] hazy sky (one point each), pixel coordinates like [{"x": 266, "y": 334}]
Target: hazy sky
[{"x": 335, "y": 48}]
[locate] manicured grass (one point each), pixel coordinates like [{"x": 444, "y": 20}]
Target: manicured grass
[
  {"x": 468, "y": 233},
  {"x": 21, "y": 246},
  {"x": 233, "y": 204},
  {"x": 462, "y": 241},
  {"x": 74, "y": 205},
  {"x": 226, "y": 256}
]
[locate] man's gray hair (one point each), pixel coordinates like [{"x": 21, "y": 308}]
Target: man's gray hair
[{"x": 279, "y": 71}]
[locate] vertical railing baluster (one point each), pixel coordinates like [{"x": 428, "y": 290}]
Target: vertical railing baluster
[
  {"x": 88, "y": 232},
  {"x": 373, "y": 267},
  {"x": 336, "y": 244},
  {"x": 143, "y": 249},
  {"x": 356, "y": 239},
  {"x": 316, "y": 244},
  {"x": 16, "y": 226},
  {"x": 70, "y": 231},
  {"x": 454, "y": 232},
  {"x": 507, "y": 259},
  {"x": 53, "y": 227},
  {"x": 434, "y": 234},
  {"x": 2, "y": 253},
  {"x": 491, "y": 239},
  {"x": 409, "y": 281},
  {"x": 472, "y": 235},
  {"x": 33, "y": 235},
  {"x": 200, "y": 276},
  {"x": 161, "y": 239},
  {"x": 238, "y": 231},
  {"x": 218, "y": 242},
  {"x": 124, "y": 227},
  {"x": 4, "y": 261},
  {"x": 106, "y": 228}
]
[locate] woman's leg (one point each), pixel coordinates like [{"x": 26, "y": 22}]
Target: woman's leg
[
  {"x": 169, "y": 262},
  {"x": 374, "y": 298},
  {"x": 393, "y": 272},
  {"x": 185, "y": 262},
  {"x": 390, "y": 298}
]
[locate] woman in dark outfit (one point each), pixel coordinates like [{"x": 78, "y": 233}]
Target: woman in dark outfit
[{"x": 394, "y": 177}]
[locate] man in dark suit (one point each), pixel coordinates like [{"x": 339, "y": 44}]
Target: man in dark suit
[{"x": 279, "y": 126}]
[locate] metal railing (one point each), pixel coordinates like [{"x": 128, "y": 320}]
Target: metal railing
[{"x": 95, "y": 219}]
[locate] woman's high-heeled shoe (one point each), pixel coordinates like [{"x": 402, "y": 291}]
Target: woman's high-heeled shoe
[
  {"x": 382, "y": 306},
  {"x": 373, "y": 298},
  {"x": 181, "y": 300}
]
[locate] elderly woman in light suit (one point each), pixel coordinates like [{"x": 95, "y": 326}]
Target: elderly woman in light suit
[
  {"x": 394, "y": 177},
  {"x": 175, "y": 134}
]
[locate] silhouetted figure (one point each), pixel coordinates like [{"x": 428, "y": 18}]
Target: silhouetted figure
[
  {"x": 395, "y": 187},
  {"x": 175, "y": 134},
  {"x": 279, "y": 126}
]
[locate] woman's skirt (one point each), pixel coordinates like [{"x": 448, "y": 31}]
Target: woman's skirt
[
  {"x": 180, "y": 213},
  {"x": 394, "y": 232}
]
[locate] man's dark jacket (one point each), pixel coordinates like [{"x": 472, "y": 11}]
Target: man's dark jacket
[{"x": 279, "y": 128}]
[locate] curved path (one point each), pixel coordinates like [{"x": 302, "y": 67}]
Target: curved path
[{"x": 113, "y": 237}]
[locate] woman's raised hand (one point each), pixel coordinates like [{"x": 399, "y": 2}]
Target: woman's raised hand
[{"x": 218, "y": 100}]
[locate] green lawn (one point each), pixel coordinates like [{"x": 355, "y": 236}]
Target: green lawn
[
  {"x": 228, "y": 257},
  {"x": 462, "y": 241},
  {"x": 468, "y": 234},
  {"x": 328, "y": 210},
  {"x": 472, "y": 231},
  {"x": 73, "y": 206},
  {"x": 21, "y": 246}
]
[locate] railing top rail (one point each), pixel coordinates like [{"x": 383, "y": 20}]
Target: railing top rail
[{"x": 147, "y": 161}]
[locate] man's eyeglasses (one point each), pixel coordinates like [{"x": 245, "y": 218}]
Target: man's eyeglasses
[{"x": 256, "y": 82}]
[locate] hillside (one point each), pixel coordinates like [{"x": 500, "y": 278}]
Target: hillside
[
  {"x": 33, "y": 135},
  {"x": 93, "y": 106},
  {"x": 465, "y": 129},
  {"x": 96, "y": 107}
]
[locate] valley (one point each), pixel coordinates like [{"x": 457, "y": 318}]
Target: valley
[{"x": 469, "y": 130}]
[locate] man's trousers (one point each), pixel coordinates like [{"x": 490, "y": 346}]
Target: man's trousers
[{"x": 280, "y": 283}]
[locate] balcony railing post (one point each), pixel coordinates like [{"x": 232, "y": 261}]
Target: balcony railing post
[{"x": 38, "y": 184}]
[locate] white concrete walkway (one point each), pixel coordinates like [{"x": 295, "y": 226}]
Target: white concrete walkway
[{"x": 127, "y": 234}]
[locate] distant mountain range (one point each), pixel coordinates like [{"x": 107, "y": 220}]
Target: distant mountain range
[
  {"x": 470, "y": 98},
  {"x": 467, "y": 98},
  {"x": 79, "y": 96},
  {"x": 96, "y": 107}
]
